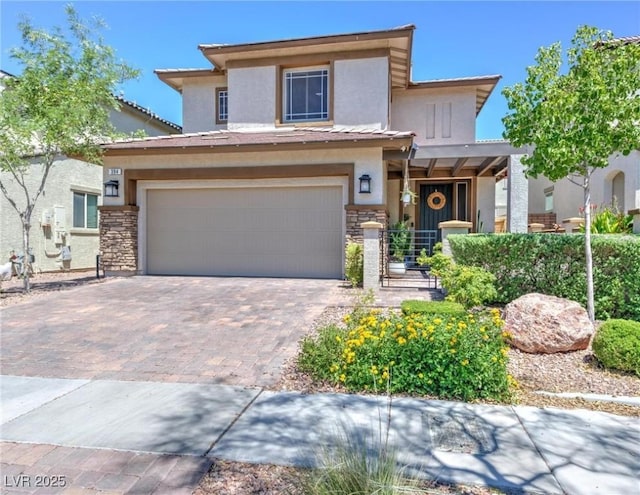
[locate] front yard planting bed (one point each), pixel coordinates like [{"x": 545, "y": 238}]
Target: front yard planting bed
[
  {"x": 575, "y": 372},
  {"x": 443, "y": 355}
]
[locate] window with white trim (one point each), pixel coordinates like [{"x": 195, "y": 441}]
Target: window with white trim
[
  {"x": 305, "y": 95},
  {"x": 223, "y": 104},
  {"x": 85, "y": 210}
]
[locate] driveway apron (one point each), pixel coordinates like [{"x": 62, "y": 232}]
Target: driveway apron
[{"x": 234, "y": 331}]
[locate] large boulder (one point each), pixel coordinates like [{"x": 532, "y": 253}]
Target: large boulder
[{"x": 545, "y": 324}]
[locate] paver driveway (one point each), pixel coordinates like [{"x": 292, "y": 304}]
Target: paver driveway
[{"x": 234, "y": 331}]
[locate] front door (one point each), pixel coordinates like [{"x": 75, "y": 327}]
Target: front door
[{"x": 436, "y": 205}]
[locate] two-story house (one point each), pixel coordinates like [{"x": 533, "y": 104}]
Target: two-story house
[{"x": 288, "y": 146}]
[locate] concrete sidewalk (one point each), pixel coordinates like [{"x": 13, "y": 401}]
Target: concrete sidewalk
[{"x": 161, "y": 437}]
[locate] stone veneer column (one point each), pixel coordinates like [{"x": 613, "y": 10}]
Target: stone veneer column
[
  {"x": 371, "y": 279},
  {"x": 452, "y": 227},
  {"x": 517, "y": 196},
  {"x": 119, "y": 240},
  {"x": 359, "y": 214}
]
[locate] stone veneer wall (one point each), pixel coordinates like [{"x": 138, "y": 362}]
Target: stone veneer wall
[
  {"x": 358, "y": 214},
  {"x": 119, "y": 239}
]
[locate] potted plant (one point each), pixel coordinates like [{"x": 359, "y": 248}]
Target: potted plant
[{"x": 399, "y": 246}]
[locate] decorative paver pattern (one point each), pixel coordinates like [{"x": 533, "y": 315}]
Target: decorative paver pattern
[
  {"x": 235, "y": 331},
  {"x": 40, "y": 469}
]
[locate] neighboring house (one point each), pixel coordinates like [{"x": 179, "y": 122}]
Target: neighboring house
[
  {"x": 288, "y": 147},
  {"x": 616, "y": 185},
  {"x": 65, "y": 233}
]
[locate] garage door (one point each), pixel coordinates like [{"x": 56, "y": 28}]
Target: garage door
[{"x": 269, "y": 232}]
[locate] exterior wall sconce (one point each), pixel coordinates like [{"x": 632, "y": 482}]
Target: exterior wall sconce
[
  {"x": 365, "y": 184},
  {"x": 111, "y": 189}
]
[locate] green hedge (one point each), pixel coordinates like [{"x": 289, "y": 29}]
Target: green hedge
[
  {"x": 555, "y": 265},
  {"x": 412, "y": 306}
]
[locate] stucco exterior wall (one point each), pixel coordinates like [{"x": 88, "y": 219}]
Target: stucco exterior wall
[
  {"x": 426, "y": 112},
  {"x": 568, "y": 197},
  {"x": 365, "y": 160},
  {"x": 199, "y": 104},
  {"x": 361, "y": 92},
  {"x": 66, "y": 176},
  {"x": 252, "y": 97},
  {"x": 360, "y": 95}
]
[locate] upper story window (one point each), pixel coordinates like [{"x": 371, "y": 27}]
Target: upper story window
[
  {"x": 306, "y": 95},
  {"x": 222, "y": 104}
]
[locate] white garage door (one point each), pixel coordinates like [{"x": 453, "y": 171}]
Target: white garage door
[{"x": 269, "y": 232}]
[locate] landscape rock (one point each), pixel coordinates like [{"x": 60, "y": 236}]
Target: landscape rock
[{"x": 542, "y": 324}]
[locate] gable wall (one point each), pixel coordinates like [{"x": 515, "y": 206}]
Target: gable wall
[{"x": 411, "y": 109}]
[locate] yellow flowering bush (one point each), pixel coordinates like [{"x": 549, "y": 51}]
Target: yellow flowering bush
[{"x": 447, "y": 356}]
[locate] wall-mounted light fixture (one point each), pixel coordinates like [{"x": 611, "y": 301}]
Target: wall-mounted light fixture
[
  {"x": 111, "y": 188},
  {"x": 365, "y": 184}
]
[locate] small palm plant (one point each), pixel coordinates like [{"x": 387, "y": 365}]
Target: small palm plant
[{"x": 610, "y": 220}]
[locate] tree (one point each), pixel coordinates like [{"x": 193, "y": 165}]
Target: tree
[
  {"x": 59, "y": 105},
  {"x": 576, "y": 120}
]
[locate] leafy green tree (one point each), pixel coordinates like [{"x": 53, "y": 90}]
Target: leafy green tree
[
  {"x": 577, "y": 119},
  {"x": 59, "y": 105}
]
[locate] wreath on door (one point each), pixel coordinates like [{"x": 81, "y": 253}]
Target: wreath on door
[{"x": 436, "y": 200}]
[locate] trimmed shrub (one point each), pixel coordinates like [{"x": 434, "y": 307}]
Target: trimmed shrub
[
  {"x": 617, "y": 345},
  {"x": 354, "y": 264},
  {"x": 438, "y": 263},
  {"x": 410, "y": 307},
  {"x": 469, "y": 285},
  {"x": 555, "y": 265}
]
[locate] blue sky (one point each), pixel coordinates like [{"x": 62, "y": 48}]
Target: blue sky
[{"x": 452, "y": 39}]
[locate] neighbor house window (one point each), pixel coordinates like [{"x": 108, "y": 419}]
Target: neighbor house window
[
  {"x": 85, "y": 210},
  {"x": 222, "y": 97},
  {"x": 306, "y": 95},
  {"x": 548, "y": 199}
]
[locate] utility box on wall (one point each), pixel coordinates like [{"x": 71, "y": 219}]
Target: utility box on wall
[
  {"x": 59, "y": 224},
  {"x": 46, "y": 219}
]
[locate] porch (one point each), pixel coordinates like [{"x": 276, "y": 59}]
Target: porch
[{"x": 439, "y": 183}]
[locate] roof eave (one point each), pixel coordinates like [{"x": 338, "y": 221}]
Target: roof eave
[
  {"x": 175, "y": 77},
  {"x": 389, "y": 143},
  {"x": 211, "y": 52}
]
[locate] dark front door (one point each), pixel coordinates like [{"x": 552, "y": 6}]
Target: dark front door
[{"x": 436, "y": 205}]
